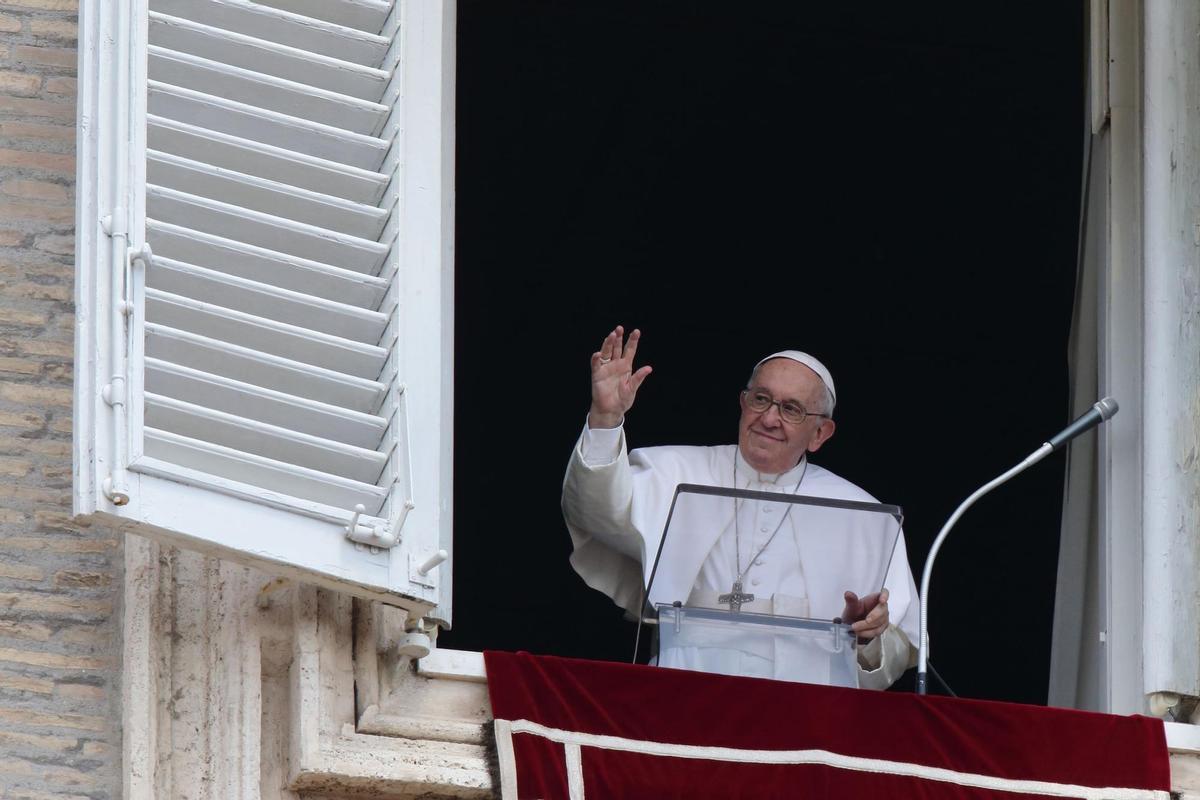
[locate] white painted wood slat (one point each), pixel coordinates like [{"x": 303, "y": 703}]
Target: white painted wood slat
[
  {"x": 264, "y": 230},
  {"x": 262, "y": 439},
  {"x": 264, "y": 300},
  {"x": 262, "y": 473},
  {"x": 284, "y": 27},
  {"x": 266, "y": 266},
  {"x": 263, "y": 125},
  {"x": 366, "y": 15},
  {"x": 267, "y": 336},
  {"x": 264, "y": 160},
  {"x": 264, "y": 405},
  {"x": 269, "y": 371},
  {"x": 269, "y": 58},
  {"x": 269, "y": 197},
  {"x": 265, "y": 91}
]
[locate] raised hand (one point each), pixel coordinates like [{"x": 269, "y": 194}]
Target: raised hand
[
  {"x": 614, "y": 382},
  {"x": 869, "y": 614}
]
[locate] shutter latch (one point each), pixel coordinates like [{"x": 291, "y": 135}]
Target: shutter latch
[{"x": 369, "y": 534}]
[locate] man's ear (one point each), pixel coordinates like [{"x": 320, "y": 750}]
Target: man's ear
[{"x": 823, "y": 434}]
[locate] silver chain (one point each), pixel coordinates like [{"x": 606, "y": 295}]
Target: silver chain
[{"x": 737, "y": 533}]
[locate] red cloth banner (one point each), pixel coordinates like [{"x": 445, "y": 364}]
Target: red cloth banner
[{"x": 575, "y": 729}]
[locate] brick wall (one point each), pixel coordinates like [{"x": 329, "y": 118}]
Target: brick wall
[{"x": 59, "y": 580}]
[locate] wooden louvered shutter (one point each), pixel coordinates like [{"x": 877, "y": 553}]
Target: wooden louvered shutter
[{"x": 269, "y": 190}]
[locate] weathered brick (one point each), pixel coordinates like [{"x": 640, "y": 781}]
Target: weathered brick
[
  {"x": 33, "y": 159},
  {"x": 12, "y": 238},
  {"x": 9, "y": 23},
  {"x": 62, "y": 86},
  {"x": 58, "y": 521},
  {"x": 60, "y": 373},
  {"x": 36, "y": 658},
  {"x": 46, "y": 5},
  {"x": 58, "y": 545},
  {"x": 38, "y": 603},
  {"x": 22, "y": 420},
  {"x": 19, "y": 83},
  {"x": 54, "y": 29},
  {"x": 61, "y": 244},
  {"x": 21, "y": 683},
  {"x": 24, "y": 630},
  {"x": 36, "y": 190},
  {"x": 46, "y": 56},
  {"x": 34, "y": 495},
  {"x": 38, "y": 741},
  {"x": 57, "y": 775},
  {"x": 36, "y": 130},
  {"x": 43, "y": 447},
  {"x": 98, "y": 749},
  {"x": 41, "y": 291},
  {"x": 79, "y": 722},
  {"x": 80, "y": 691},
  {"x": 10, "y": 516},
  {"x": 54, "y": 472},
  {"x": 36, "y": 347},
  {"x": 33, "y": 794},
  {"x": 19, "y": 366},
  {"x": 68, "y": 579},
  {"x": 20, "y": 572},
  {"x": 14, "y": 468},
  {"x": 89, "y": 636},
  {"x": 34, "y": 212},
  {"x": 15, "y": 316},
  {"x": 35, "y": 395},
  {"x": 33, "y": 107}
]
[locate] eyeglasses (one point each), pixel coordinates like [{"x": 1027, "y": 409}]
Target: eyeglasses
[{"x": 789, "y": 410}]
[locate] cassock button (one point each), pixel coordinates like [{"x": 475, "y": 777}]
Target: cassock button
[
  {"x": 759, "y": 563},
  {"x": 755, "y": 581},
  {"x": 764, "y": 530},
  {"x": 768, "y": 509}
]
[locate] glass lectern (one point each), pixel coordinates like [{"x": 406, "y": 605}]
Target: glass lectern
[{"x": 718, "y": 605}]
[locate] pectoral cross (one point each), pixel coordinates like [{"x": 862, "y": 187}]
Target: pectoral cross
[{"x": 735, "y": 598}]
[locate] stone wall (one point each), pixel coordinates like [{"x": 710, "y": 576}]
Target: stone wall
[{"x": 60, "y": 582}]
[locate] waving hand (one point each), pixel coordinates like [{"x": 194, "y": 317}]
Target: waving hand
[{"x": 614, "y": 381}]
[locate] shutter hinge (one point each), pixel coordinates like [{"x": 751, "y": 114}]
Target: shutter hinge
[
  {"x": 143, "y": 254},
  {"x": 116, "y": 223}
]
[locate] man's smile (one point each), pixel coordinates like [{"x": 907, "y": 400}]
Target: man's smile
[{"x": 766, "y": 435}]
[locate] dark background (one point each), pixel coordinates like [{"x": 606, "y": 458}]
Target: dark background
[{"x": 892, "y": 188}]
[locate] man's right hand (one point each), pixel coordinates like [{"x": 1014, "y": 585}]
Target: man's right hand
[{"x": 614, "y": 383}]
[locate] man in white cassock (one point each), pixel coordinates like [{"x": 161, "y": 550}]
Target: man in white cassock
[{"x": 616, "y": 503}]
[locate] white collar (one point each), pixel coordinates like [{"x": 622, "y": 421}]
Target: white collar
[{"x": 789, "y": 478}]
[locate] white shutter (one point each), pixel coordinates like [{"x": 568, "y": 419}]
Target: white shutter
[{"x": 281, "y": 173}]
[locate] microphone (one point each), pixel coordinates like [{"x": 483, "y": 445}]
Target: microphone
[
  {"x": 1101, "y": 411},
  {"x": 1105, "y": 409}
]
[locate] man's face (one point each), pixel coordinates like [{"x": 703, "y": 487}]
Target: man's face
[{"x": 770, "y": 444}]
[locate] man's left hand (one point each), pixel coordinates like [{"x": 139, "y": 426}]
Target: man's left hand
[{"x": 868, "y": 614}]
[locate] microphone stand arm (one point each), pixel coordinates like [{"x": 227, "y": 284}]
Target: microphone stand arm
[{"x": 923, "y": 644}]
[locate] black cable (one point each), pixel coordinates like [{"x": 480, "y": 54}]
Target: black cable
[{"x": 934, "y": 672}]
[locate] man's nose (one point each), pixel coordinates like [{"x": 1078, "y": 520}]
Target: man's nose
[{"x": 771, "y": 416}]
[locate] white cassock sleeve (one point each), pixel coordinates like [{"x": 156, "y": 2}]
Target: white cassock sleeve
[{"x": 598, "y": 507}]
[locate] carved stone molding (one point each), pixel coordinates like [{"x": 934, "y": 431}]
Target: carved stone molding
[{"x": 239, "y": 687}]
